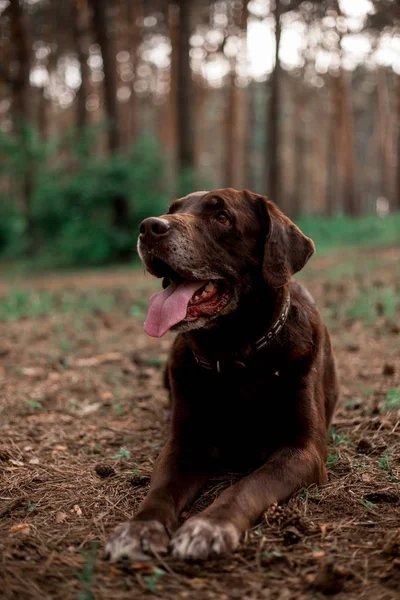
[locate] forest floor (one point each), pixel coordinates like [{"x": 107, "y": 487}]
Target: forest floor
[{"x": 83, "y": 415}]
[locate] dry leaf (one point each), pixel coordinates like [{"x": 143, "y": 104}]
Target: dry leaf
[
  {"x": 34, "y": 461},
  {"x": 198, "y": 583},
  {"x": 145, "y": 568},
  {"x": 89, "y": 408},
  {"x": 60, "y": 448},
  {"x": 32, "y": 371},
  {"x": 98, "y": 360},
  {"x": 54, "y": 376},
  {"x": 23, "y": 528},
  {"x": 61, "y": 517}
]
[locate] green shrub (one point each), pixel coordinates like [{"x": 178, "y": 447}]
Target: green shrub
[
  {"x": 72, "y": 201},
  {"x": 12, "y": 230}
]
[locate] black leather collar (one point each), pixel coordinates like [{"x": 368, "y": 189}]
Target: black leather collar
[{"x": 220, "y": 365}]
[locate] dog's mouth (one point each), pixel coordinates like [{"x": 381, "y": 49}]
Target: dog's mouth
[{"x": 183, "y": 300}]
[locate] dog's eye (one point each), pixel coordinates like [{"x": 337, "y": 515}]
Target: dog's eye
[{"x": 223, "y": 218}]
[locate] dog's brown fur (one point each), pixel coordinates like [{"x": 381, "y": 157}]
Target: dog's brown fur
[{"x": 269, "y": 419}]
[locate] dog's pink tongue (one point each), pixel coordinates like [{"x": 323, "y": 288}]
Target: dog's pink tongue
[{"x": 169, "y": 307}]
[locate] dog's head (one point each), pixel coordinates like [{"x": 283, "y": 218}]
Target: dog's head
[{"x": 213, "y": 248}]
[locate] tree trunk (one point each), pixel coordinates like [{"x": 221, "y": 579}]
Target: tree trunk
[
  {"x": 243, "y": 100},
  {"x": 332, "y": 149},
  {"x": 273, "y": 166},
  {"x": 235, "y": 137},
  {"x": 169, "y": 127},
  {"x": 184, "y": 104},
  {"x": 199, "y": 98},
  {"x": 315, "y": 202},
  {"x": 347, "y": 145},
  {"x": 397, "y": 201},
  {"x": 347, "y": 160},
  {"x": 251, "y": 127},
  {"x": 170, "y": 116},
  {"x": 42, "y": 113},
  {"x": 79, "y": 9},
  {"x": 21, "y": 112},
  {"x": 300, "y": 151},
  {"x": 135, "y": 8},
  {"x": 386, "y": 127},
  {"x": 21, "y": 82},
  {"x": 231, "y": 142},
  {"x": 103, "y": 26}
]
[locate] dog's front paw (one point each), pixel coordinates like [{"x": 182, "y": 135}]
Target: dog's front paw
[
  {"x": 201, "y": 538},
  {"x": 137, "y": 541}
]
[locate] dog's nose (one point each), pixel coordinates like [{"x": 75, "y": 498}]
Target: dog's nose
[{"x": 154, "y": 226}]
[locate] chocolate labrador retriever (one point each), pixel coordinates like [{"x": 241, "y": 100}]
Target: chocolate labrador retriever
[{"x": 251, "y": 372}]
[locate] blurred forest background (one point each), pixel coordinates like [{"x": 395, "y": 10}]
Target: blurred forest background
[{"x": 110, "y": 108}]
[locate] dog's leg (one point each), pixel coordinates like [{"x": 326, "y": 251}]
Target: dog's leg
[
  {"x": 176, "y": 481},
  {"x": 217, "y": 529}
]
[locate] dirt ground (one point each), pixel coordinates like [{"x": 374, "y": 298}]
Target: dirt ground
[{"x": 83, "y": 415}]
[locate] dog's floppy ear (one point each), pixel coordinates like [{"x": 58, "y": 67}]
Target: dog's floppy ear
[{"x": 286, "y": 249}]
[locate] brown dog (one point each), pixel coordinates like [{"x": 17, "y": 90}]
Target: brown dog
[{"x": 251, "y": 374}]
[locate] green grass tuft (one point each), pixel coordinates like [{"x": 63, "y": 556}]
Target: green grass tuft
[
  {"x": 339, "y": 439},
  {"x": 18, "y": 304},
  {"x": 385, "y": 460},
  {"x": 332, "y": 460},
  {"x": 342, "y": 232},
  {"x": 367, "y": 503},
  {"x": 33, "y": 404},
  {"x": 122, "y": 453},
  {"x": 373, "y": 302},
  {"x": 392, "y": 400},
  {"x": 86, "y": 576},
  {"x": 151, "y": 581}
]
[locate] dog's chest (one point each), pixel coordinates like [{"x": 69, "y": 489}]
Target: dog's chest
[{"x": 242, "y": 418}]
